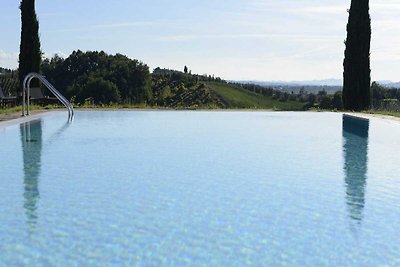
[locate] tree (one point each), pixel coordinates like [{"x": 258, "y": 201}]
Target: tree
[
  {"x": 337, "y": 102},
  {"x": 325, "y": 102},
  {"x": 71, "y": 76},
  {"x": 96, "y": 88},
  {"x": 379, "y": 93},
  {"x": 357, "y": 72},
  {"x": 185, "y": 69},
  {"x": 30, "y": 55}
]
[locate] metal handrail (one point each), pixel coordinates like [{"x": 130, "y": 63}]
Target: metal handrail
[{"x": 56, "y": 93}]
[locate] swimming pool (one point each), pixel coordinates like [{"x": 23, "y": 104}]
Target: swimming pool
[{"x": 152, "y": 188}]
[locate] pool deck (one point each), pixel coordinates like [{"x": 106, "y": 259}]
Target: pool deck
[
  {"x": 17, "y": 115},
  {"x": 377, "y": 116},
  {"x": 16, "y": 118}
]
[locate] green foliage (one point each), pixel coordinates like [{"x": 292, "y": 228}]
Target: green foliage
[
  {"x": 329, "y": 102},
  {"x": 71, "y": 75},
  {"x": 174, "y": 89},
  {"x": 321, "y": 100},
  {"x": 337, "y": 101},
  {"x": 379, "y": 93},
  {"x": 178, "y": 76},
  {"x": 9, "y": 82},
  {"x": 18, "y": 109},
  {"x": 97, "y": 89},
  {"x": 385, "y": 99},
  {"x": 93, "y": 79},
  {"x": 235, "y": 96},
  {"x": 357, "y": 72},
  {"x": 30, "y": 55},
  {"x": 7, "y": 111}
]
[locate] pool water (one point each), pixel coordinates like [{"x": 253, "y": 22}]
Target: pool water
[{"x": 151, "y": 188}]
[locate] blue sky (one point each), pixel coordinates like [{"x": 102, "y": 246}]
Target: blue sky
[{"x": 234, "y": 39}]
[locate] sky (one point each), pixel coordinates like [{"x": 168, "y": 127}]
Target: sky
[{"x": 282, "y": 40}]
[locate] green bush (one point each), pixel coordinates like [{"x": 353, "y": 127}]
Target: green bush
[{"x": 99, "y": 90}]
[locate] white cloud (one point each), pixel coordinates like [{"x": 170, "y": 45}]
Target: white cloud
[
  {"x": 107, "y": 26},
  {"x": 197, "y": 37},
  {"x": 246, "y": 39},
  {"x": 391, "y": 6},
  {"x": 321, "y": 10},
  {"x": 8, "y": 59}
]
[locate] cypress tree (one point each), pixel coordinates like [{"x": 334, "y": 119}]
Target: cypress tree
[
  {"x": 357, "y": 72},
  {"x": 30, "y": 55}
]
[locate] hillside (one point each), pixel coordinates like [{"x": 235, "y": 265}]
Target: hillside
[
  {"x": 236, "y": 97},
  {"x": 97, "y": 78}
]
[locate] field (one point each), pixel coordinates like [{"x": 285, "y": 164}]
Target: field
[{"x": 239, "y": 98}]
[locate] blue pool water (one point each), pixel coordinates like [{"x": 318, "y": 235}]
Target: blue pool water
[{"x": 200, "y": 189}]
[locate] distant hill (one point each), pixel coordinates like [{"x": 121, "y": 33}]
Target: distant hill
[
  {"x": 308, "y": 88},
  {"x": 234, "y": 96},
  {"x": 176, "y": 89},
  {"x": 391, "y": 84},
  {"x": 314, "y": 86},
  {"x": 331, "y": 86},
  {"x": 326, "y": 82}
]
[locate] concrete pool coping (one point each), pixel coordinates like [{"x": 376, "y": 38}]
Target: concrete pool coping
[
  {"x": 22, "y": 119},
  {"x": 13, "y": 119},
  {"x": 373, "y": 116}
]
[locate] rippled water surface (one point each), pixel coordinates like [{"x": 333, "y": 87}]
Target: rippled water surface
[{"x": 200, "y": 189}]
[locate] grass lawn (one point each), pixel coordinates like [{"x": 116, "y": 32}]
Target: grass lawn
[
  {"x": 15, "y": 109},
  {"x": 237, "y": 97},
  {"x": 10, "y": 110}
]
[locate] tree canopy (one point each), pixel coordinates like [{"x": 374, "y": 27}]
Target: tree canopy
[
  {"x": 357, "y": 72},
  {"x": 122, "y": 79},
  {"x": 30, "y": 54}
]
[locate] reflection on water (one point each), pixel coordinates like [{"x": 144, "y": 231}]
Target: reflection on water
[
  {"x": 31, "y": 138},
  {"x": 355, "y": 147},
  {"x": 57, "y": 134}
]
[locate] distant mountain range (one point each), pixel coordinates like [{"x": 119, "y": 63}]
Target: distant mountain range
[
  {"x": 329, "y": 85},
  {"x": 326, "y": 82},
  {"x": 391, "y": 84}
]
